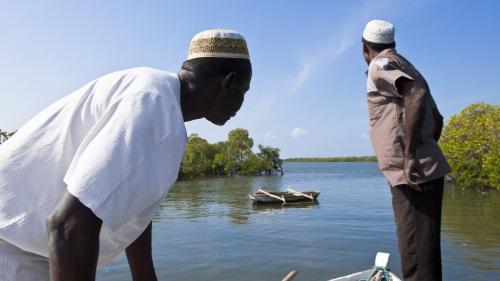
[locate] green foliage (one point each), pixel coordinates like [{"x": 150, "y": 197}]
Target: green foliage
[
  {"x": 239, "y": 146},
  {"x": 234, "y": 156},
  {"x": 253, "y": 165},
  {"x": 471, "y": 143},
  {"x": 271, "y": 159},
  {"x": 4, "y": 136},
  {"x": 334, "y": 159},
  {"x": 198, "y": 157}
]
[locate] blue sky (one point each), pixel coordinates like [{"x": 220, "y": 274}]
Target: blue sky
[{"x": 308, "y": 90}]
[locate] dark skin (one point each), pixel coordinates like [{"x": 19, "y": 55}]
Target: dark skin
[
  {"x": 216, "y": 98},
  {"x": 73, "y": 232},
  {"x": 140, "y": 256},
  {"x": 73, "y": 229},
  {"x": 414, "y": 97}
]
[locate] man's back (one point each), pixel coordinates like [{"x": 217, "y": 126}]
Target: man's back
[
  {"x": 103, "y": 143},
  {"x": 387, "y": 120}
]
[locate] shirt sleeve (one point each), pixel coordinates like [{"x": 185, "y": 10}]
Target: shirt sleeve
[
  {"x": 129, "y": 159},
  {"x": 385, "y": 73}
]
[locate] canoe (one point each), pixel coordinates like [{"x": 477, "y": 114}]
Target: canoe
[
  {"x": 379, "y": 272},
  {"x": 288, "y": 197}
]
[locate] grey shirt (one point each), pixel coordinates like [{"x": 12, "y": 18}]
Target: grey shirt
[{"x": 387, "y": 117}]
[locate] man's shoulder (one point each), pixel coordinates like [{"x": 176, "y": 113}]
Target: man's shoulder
[
  {"x": 389, "y": 59},
  {"x": 141, "y": 79},
  {"x": 148, "y": 73},
  {"x": 138, "y": 73},
  {"x": 398, "y": 61}
]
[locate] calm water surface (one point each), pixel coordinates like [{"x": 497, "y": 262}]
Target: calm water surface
[{"x": 208, "y": 230}]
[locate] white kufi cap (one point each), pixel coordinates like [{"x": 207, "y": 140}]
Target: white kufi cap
[
  {"x": 218, "y": 43},
  {"x": 379, "y": 31}
]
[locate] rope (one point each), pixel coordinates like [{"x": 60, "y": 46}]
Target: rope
[{"x": 384, "y": 275}]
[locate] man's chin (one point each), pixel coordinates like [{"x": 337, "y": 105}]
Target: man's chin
[{"x": 218, "y": 122}]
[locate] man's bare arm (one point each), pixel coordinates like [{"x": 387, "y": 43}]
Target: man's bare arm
[
  {"x": 140, "y": 257},
  {"x": 414, "y": 103},
  {"x": 73, "y": 232}
]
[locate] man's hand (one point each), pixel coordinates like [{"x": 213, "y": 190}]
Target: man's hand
[
  {"x": 413, "y": 166},
  {"x": 73, "y": 232},
  {"x": 140, "y": 258}
]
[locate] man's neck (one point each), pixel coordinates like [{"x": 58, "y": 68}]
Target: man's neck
[{"x": 190, "y": 105}]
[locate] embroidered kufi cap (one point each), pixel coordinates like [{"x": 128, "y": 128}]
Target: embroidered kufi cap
[
  {"x": 379, "y": 31},
  {"x": 218, "y": 43}
]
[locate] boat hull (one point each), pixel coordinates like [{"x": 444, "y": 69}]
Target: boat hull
[{"x": 361, "y": 275}]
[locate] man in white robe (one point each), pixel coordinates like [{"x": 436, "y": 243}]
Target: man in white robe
[{"x": 82, "y": 180}]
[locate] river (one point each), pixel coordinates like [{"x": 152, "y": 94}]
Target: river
[{"x": 207, "y": 229}]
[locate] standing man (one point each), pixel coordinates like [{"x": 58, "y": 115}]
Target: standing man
[
  {"x": 81, "y": 181},
  {"x": 405, "y": 126}
]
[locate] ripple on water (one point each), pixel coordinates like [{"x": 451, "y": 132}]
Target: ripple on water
[{"x": 208, "y": 230}]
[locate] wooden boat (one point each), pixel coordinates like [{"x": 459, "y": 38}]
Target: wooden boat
[
  {"x": 290, "y": 196},
  {"x": 379, "y": 272}
]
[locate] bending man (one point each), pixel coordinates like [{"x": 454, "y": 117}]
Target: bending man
[{"x": 81, "y": 181}]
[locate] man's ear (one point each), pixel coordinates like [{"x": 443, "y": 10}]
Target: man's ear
[
  {"x": 365, "y": 49},
  {"x": 229, "y": 80}
]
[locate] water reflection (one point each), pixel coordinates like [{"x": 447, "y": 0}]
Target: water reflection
[
  {"x": 302, "y": 205},
  {"x": 471, "y": 221},
  {"x": 227, "y": 196}
]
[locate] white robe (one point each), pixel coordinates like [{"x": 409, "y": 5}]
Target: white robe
[{"x": 116, "y": 144}]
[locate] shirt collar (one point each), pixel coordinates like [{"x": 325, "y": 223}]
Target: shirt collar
[{"x": 386, "y": 51}]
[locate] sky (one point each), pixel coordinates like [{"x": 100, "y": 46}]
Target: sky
[{"x": 308, "y": 90}]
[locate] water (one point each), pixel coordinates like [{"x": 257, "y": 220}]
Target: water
[{"x": 208, "y": 230}]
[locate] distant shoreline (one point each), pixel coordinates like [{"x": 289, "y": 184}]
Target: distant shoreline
[{"x": 333, "y": 159}]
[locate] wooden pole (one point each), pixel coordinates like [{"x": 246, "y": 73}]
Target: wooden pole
[
  {"x": 290, "y": 275},
  {"x": 271, "y": 195},
  {"x": 296, "y": 193}
]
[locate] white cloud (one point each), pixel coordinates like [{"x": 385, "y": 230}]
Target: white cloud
[
  {"x": 340, "y": 41},
  {"x": 270, "y": 135},
  {"x": 298, "y": 132},
  {"x": 303, "y": 75},
  {"x": 364, "y": 136}
]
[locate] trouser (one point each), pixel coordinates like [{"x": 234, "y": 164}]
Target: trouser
[
  {"x": 418, "y": 221},
  {"x": 18, "y": 265}
]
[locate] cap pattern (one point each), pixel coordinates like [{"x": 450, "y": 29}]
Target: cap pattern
[{"x": 218, "y": 44}]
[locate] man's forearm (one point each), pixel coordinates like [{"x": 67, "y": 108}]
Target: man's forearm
[
  {"x": 73, "y": 232},
  {"x": 140, "y": 257}
]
